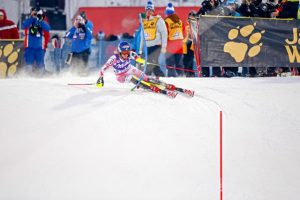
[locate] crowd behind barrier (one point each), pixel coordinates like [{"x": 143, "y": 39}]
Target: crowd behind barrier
[
  {"x": 248, "y": 8},
  {"x": 102, "y": 49}
]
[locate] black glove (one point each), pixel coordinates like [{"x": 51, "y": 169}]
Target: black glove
[
  {"x": 40, "y": 17},
  {"x": 82, "y": 26}
]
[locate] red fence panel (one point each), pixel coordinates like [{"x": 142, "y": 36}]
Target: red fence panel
[{"x": 118, "y": 20}]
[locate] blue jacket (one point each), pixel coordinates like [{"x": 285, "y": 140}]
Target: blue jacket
[
  {"x": 34, "y": 36},
  {"x": 81, "y": 37}
]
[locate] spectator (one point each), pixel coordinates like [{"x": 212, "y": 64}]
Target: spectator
[
  {"x": 126, "y": 36},
  {"x": 34, "y": 42},
  {"x": 175, "y": 41},
  {"x": 111, "y": 37},
  {"x": 256, "y": 8},
  {"x": 156, "y": 39},
  {"x": 247, "y": 8},
  {"x": 57, "y": 43},
  {"x": 232, "y": 7},
  {"x": 8, "y": 29},
  {"x": 188, "y": 49},
  {"x": 100, "y": 36},
  {"x": 210, "y": 7},
  {"x": 271, "y": 6},
  {"x": 286, "y": 9},
  {"x": 46, "y": 34},
  {"x": 81, "y": 35}
]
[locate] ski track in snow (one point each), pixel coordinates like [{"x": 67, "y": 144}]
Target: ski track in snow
[{"x": 82, "y": 142}]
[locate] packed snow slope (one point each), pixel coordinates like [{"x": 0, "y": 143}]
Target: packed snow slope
[{"x": 81, "y": 142}]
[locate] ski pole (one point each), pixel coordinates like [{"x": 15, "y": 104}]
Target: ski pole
[
  {"x": 138, "y": 83},
  {"x": 171, "y": 67},
  {"x": 145, "y": 51},
  {"x": 81, "y": 84}
]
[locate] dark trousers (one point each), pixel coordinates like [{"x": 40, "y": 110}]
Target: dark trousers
[
  {"x": 252, "y": 71},
  {"x": 216, "y": 71},
  {"x": 35, "y": 57},
  {"x": 174, "y": 61},
  {"x": 80, "y": 61},
  {"x": 232, "y": 69},
  {"x": 188, "y": 61},
  {"x": 57, "y": 59},
  {"x": 153, "y": 54}
]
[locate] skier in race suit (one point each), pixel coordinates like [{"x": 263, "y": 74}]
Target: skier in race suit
[{"x": 123, "y": 69}]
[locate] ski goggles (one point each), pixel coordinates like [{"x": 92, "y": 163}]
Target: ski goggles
[{"x": 125, "y": 52}]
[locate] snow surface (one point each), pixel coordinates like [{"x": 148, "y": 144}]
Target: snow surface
[{"x": 80, "y": 142}]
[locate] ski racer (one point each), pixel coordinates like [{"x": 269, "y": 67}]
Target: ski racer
[
  {"x": 125, "y": 72},
  {"x": 122, "y": 66}
]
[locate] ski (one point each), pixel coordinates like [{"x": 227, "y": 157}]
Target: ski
[
  {"x": 165, "y": 86},
  {"x": 170, "y": 87},
  {"x": 187, "y": 92},
  {"x": 154, "y": 88}
]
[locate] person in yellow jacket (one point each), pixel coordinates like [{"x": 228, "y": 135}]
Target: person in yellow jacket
[
  {"x": 155, "y": 32},
  {"x": 188, "y": 51},
  {"x": 174, "y": 53}
]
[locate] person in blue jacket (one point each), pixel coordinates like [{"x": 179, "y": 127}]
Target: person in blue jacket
[
  {"x": 34, "y": 42},
  {"x": 81, "y": 35}
]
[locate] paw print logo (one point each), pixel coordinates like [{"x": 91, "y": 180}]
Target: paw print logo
[
  {"x": 8, "y": 60},
  {"x": 239, "y": 50}
]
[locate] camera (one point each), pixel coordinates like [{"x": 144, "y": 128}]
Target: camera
[
  {"x": 265, "y": 9},
  {"x": 208, "y": 5},
  {"x": 37, "y": 12},
  {"x": 81, "y": 25},
  {"x": 35, "y": 30}
]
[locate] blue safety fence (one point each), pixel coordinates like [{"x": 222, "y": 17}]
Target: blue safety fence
[{"x": 101, "y": 50}]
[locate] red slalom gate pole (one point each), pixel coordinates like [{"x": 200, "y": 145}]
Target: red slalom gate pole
[{"x": 221, "y": 156}]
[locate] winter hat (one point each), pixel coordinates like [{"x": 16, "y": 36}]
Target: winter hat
[
  {"x": 170, "y": 9},
  {"x": 228, "y": 2},
  {"x": 83, "y": 15},
  {"x": 149, "y": 6}
]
